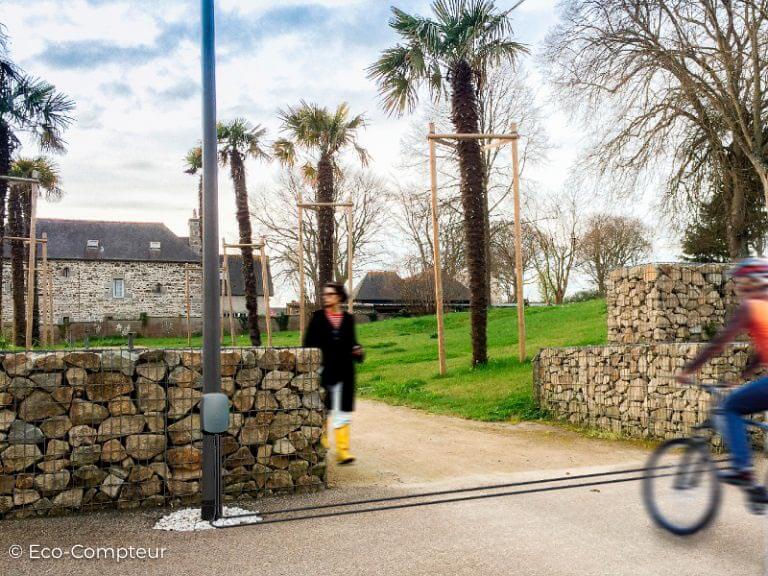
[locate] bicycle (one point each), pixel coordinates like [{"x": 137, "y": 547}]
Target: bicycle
[{"x": 692, "y": 473}]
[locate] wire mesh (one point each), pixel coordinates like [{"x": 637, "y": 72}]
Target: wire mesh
[{"x": 119, "y": 428}]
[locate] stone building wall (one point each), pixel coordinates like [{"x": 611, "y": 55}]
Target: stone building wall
[
  {"x": 82, "y": 290},
  {"x": 84, "y": 430},
  {"x": 667, "y": 302},
  {"x": 630, "y": 389}
]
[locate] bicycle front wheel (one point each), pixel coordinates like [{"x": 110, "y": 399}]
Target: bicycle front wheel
[{"x": 681, "y": 490}]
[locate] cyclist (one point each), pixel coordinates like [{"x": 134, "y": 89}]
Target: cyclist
[{"x": 751, "y": 282}]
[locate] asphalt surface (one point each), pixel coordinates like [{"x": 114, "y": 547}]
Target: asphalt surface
[{"x": 596, "y": 530}]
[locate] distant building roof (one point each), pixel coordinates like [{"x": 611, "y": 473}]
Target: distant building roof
[
  {"x": 122, "y": 241},
  {"x": 387, "y": 287},
  {"x": 238, "y": 281},
  {"x": 380, "y": 286}
]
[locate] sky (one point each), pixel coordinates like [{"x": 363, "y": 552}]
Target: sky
[{"x": 133, "y": 70}]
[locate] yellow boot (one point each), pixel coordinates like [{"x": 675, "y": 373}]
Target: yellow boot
[
  {"x": 342, "y": 445},
  {"x": 324, "y": 437}
]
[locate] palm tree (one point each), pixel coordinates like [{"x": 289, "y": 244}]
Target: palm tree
[
  {"x": 30, "y": 105},
  {"x": 323, "y": 135},
  {"x": 450, "y": 54},
  {"x": 194, "y": 165},
  {"x": 19, "y": 216},
  {"x": 238, "y": 141}
]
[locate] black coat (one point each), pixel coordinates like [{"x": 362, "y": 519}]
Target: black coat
[{"x": 338, "y": 361}]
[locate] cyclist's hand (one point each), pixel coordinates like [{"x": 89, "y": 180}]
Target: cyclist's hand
[{"x": 684, "y": 378}]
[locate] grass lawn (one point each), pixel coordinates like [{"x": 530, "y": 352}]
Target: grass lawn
[{"x": 401, "y": 361}]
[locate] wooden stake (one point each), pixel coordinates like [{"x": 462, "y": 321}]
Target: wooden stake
[
  {"x": 188, "y": 305},
  {"x": 32, "y": 256},
  {"x": 265, "y": 289},
  {"x": 300, "y": 250},
  {"x": 46, "y": 333},
  {"x": 518, "y": 250},
  {"x": 228, "y": 285},
  {"x": 350, "y": 243},
  {"x": 436, "y": 253}
]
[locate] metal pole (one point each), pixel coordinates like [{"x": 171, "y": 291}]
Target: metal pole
[
  {"x": 436, "y": 254},
  {"x": 46, "y": 333},
  {"x": 350, "y": 251},
  {"x": 265, "y": 289},
  {"x": 33, "y": 191},
  {"x": 518, "y": 251},
  {"x": 211, "y": 505}
]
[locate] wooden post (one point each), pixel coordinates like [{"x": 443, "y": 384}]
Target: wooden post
[
  {"x": 187, "y": 305},
  {"x": 436, "y": 254},
  {"x": 350, "y": 249},
  {"x": 32, "y": 257},
  {"x": 302, "y": 315},
  {"x": 518, "y": 250},
  {"x": 46, "y": 331},
  {"x": 265, "y": 289},
  {"x": 228, "y": 292}
]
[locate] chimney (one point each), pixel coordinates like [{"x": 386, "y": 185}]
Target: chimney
[{"x": 195, "y": 232}]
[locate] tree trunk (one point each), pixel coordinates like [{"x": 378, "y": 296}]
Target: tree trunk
[
  {"x": 16, "y": 228},
  {"x": 244, "y": 225},
  {"x": 325, "y": 226},
  {"x": 465, "y": 120},
  {"x": 5, "y": 168}
]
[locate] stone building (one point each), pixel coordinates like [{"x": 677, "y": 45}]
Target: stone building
[{"x": 124, "y": 271}]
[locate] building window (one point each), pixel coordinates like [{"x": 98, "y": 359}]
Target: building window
[
  {"x": 65, "y": 272},
  {"x": 118, "y": 288}
]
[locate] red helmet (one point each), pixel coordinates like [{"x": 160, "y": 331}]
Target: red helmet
[{"x": 752, "y": 273}]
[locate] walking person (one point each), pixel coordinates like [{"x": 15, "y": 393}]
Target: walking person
[{"x": 332, "y": 330}]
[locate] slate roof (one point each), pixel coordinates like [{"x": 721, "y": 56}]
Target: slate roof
[
  {"x": 237, "y": 280},
  {"x": 380, "y": 286},
  {"x": 121, "y": 241},
  {"x": 388, "y": 287}
]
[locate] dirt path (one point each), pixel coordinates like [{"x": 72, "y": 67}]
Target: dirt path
[
  {"x": 400, "y": 446},
  {"x": 588, "y": 531}
]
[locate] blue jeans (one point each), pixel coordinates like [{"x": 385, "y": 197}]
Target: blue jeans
[{"x": 746, "y": 400}]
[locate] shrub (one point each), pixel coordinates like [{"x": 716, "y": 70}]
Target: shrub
[{"x": 583, "y": 296}]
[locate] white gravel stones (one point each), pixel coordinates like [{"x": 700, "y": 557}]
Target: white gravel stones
[{"x": 188, "y": 519}]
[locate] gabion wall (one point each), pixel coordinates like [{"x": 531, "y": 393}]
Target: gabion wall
[
  {"x": 668, "y": 302},
  {"x": 117, "y": 428},
  {"x": 630, "y": 389}
]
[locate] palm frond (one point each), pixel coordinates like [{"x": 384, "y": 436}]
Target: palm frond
[
  {"x": 48, "y": 174},
  {"x": 193, "y": 161},
  {"x": 285, "y": 151}
]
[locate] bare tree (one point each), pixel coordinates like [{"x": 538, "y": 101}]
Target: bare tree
[
  {"x": 503, "y": 255},
  {"x": 275, "y": 213},
  {"x": 413, "y": 219},
  {"x": 556, "y": 240},
  {"x": 671, "y": 86},
  {"x": 611, "y": 242}
]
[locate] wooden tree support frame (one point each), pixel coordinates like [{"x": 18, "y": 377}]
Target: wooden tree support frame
[
  {"x": 227, "y": 286},
  {"x": 349, "y": 207},
  {"x": 496, "y": 141}
]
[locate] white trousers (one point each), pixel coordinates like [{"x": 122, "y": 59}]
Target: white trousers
[{"x": 339, "y": 418}]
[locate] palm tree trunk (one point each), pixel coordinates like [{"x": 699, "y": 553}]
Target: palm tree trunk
[
  {"x": 16, "y": 228},
  {"x": 465, "y": 120},
  {"x": 5, "y": 168},
  {"x": 325, "y": 225},
  {"x": 244, "y": 224}
]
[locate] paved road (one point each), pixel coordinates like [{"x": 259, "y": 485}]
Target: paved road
[{"x": 586, "y": 531}]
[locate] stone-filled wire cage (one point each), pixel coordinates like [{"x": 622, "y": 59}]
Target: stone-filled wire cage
[{"x": 118, "y": 428}]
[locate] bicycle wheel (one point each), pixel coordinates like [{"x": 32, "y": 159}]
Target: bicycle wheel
[{"x": 681, "y": 490}]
